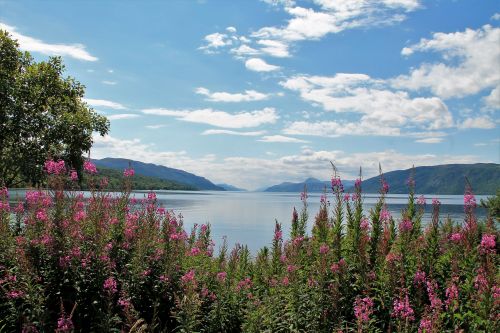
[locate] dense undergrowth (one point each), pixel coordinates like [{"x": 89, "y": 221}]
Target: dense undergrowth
[{"x": 113, "y": 263}]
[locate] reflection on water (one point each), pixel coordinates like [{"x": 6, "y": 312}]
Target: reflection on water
[{"x": 248, "y": 217}]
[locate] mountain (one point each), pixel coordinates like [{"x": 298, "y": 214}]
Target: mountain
[
  {"x": 313, "y": 185},
  {"x": 159, "y": 171},
  {"x": 228, "y": 187},
  {"x": 140, "y": 182},
  {"x": 441, "y": 179}
]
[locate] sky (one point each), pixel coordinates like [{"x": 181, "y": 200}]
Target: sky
[{"x": 253, "y": 93}]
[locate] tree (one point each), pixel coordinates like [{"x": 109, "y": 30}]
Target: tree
[{"x": 42, "y": 115}]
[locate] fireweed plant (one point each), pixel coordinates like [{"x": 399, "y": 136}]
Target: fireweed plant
[{"x": 111, "y": 263}]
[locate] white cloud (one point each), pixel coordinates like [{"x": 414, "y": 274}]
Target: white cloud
[
  {"x": 231, "y": 29},
  {"x": 245, "y": 50},
  {"x": 483, "y": 122},
  {"x": 383, "y": 110},
  {"x": 109, "y": 83},
  {"x": 430, "y": 140},
  {"x": 31, "y": 44},
  {"x": 155, "y": 126},
  {"x": 259, "y": 65},
  {"x": 492, "y": 101},
  {"x": 229, "y": 132},
  {"x": 471, "y": 63},
  {"x": 496, "y": 16},
  {"x": 336, "y": 129},
  {"x": 220, "y": 118},
  {"x": 104, "y": 103},
  {"x": 215, "y": 41},
  {"x": 281, "y": 138},
  {"x": 247, "y": 96},
  {"x": 121, "y": 116},
  {"x": 274, "y": 48},
  {"x": 273, "y": 169}
]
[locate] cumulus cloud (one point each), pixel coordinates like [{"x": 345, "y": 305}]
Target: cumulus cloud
[
  {"x": 430, "y": 140},
  {"x": 281, "y": 138},
  {"x": 247, "y": 96},
  {"x": 482, "y": 122},
  {"x": 104, "y": 103},
  {"x": 259, "y": 65},
  {"x": 26, "y": 43},
  {"x": 470, "y": 63},
  {"x": 259, "y": 171},
  {"x": 383, "y": 111},
  {"x": 220, "y": 118},
  {"x": 229, "y": 132},
  {"x": 215, "y": 41},
  {"x": 121, "y": 116},
  {"x": 492, "y": 101}
]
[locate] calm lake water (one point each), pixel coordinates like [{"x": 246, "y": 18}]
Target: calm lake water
[{"x": 248, "y": 217}]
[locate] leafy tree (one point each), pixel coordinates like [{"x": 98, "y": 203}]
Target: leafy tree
[{"x": 42, "y": 114}]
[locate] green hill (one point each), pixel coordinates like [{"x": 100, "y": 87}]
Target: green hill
[
  {"x": 441, "y": 179},
  {"x": 140, "y": 182}
]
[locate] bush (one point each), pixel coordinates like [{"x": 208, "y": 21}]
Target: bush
[{"x": 112, "y": 263}]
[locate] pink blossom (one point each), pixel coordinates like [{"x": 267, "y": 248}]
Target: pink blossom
[
  {"x": 291, "y": 268},
  {"x": 323, "y": 249},
  {"x": 337, "y": 185},
  {"x": 188, "y": 277},
  {"x": 73, "y": 175},
  {"x": 277, "y": 234},
  {"x": 42, "y": 215},
  {"x": 15, "y": 294},
  {"x": 419, "y": 277},
  {"x": 480, "y": 281},
  {"x": 385, "y": 187},
  {"x": 357, "y": 184},
  {"x": 221, "y": 276},
  {"x": 125, "y": 303},
  {"x": 405, "y": 225},
  {"x": 488, "y": 244},
  {"x": 365, "y": 224},
  {"x": 80, "y": 215},
  {"x": 469, "y": 200},
  {"x": 385, "y": 215},
  {"x": 64, "y": 261},
  {"x": 89, "y": 167},
  {"x": 4, "y": 192},
  {"x": 64, "y": 324},
  {"x": 436, "y": 202},
  {"x": 402, "y": 309},
  {"x": 451, "y": 294},
  {"x": 285, "y": 281},
  {"x": 303, "y": 196},
  {"x": 244, "y": 284},
  {"x": 195, "y": 251},
  {"x": 298, "y": 240},
  {"x": 55, "y": 168},
  {"x": 128, "y": 173},
  {"x": 425, "y": 326},
  {"x": 355, "y": 197},
  {"x": 347, "y": 196},
  {"x": 456, "y": 237},
  {"x": 110, "y": 285},
  {"x": 4, "y": 206},
  {"x": 421, "y": 200},
  {"x": 363, "y": 309},
  {"x": 436, "y": 302},
  {"x": 391, "y": 257}
]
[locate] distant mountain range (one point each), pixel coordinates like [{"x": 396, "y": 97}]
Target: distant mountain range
[
  {"x": 228, "y": 187},
  {"x": 441, "y": 179},
  {"x": 161, "y": 172},
  {"x": 313, "y": 185}
]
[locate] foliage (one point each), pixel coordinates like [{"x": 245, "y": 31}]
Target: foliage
[
  {"x": 493, "y": 205},
  {"x": 109, "y": 263},
  {"x": 41, "y": 114}
]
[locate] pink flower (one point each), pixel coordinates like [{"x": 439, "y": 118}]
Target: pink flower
[
  {"x": 337, "y": 185},
  {"x": 291, "y": 268},
  {"x": 488, "y": 244},
  {"x": 355, "y": 197},
  {"x": 278, "y": 234},
  {"x": 303, "y": 196},
  {"x": 73, "y": 175},
  {"x": 357, "y": 184},
  {"x": 244, "y": 284},
  {"x": 480, "y": 281},
  {"x": 110, "y": 285},
  {"x": 188, "y": 277},
  {"x": 55, "y": 168},
  {"x": 451, "y": 294},
  {"x": 391, "y": 257},
  {"x": 64, "y": 324},
  {"x": 425, "y": 326},
  {"x": 125, "y": 303},
  {"x": 436, "y": 302},
  {"x": 419, "y": 277},
  {"x": 456, "y": 237},
  {"x": 469, "y": 200},
  {"x": 421, "y": 200},
  {"x": 436, "y": 202},
  {"x": 385, "y": 187},
  {"x": 347, "y": 196},
  {"x": 285, "y": 281},
  {"x": 363, "y": 308},
  {"x": 405, "y": 225},
  {"x": 42, "y": 215},
  {"x": 221, "y": 276},
  {"x": 323, "y": 249},
  {"x": 365, "y": 224},
  {"x": 385, "y": 215},
  {"x": 15, "y": 294},
  {"x": 128, "y": 173},
  {"x": 195, "y": 251},
  {"x": 402, "y": 309},
  {"x": 89, "y": 167}
]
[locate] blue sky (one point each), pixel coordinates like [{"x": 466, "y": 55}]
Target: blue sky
[{"x": 253, "y": 93}]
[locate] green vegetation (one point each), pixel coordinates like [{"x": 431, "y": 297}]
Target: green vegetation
[
  {"x": 442, "y": 179},
  {"x": 41, "y": 114},
  {"x": 139, "y": 182}
]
